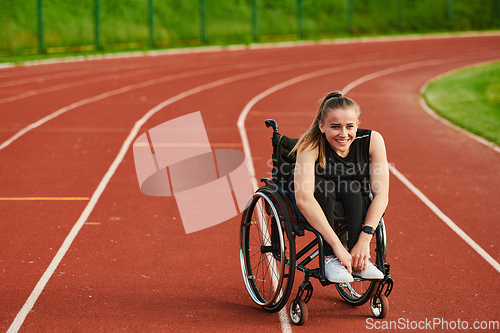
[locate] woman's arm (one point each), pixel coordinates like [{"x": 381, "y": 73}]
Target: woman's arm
[
  {"x": 379, "y": 183},
  {"x": 309, "y": 206}
]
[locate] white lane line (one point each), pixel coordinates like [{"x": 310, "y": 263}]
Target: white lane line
[
  {"x": 43, "y": 78},
  {"x": 9, "y": 72},
  {"x": 133, "y": 70},
  {"x": 143, "y": 85},
  {"x": 106, "y": 95},
  {"x": 405, "y": 181},
  {"x": 445, "y": 219},
  {"x": 35, "y": 294},
  {"x": 69, "y": 73},
  {"x": 77, "y": 84},
  {"x": 136, "y": 70},
  {"x": 91, "y": 100},
  {"x": 54, "y": 88}
]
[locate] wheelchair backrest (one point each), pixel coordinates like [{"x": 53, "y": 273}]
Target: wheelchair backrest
[{"x": 283, "y": 161}]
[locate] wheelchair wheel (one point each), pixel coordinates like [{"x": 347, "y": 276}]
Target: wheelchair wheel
[
  {"x": 360, "y": 291},
  {"x": 299, "y": 312},
  {"x": 379, "y": 306},
  {"x": 267, "y": 250}
]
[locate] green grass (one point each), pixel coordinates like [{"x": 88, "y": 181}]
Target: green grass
[
  {"x": 469, "y": 98},
  {"x": 70, "y": 24}
]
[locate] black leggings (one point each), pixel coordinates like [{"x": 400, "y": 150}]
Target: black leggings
[{"x": 355, "y": 205}]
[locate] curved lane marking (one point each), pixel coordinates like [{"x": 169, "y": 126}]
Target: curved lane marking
[
  {"x": 72, "y": 84},
  {"x": 143, "y": 85},
  {"x": 133, "y": 71},
  {"x": 69, "y": 73},
  {"x": 106, "y": 95}
]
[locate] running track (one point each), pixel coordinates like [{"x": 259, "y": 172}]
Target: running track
[{"x": 131, "y": 268}]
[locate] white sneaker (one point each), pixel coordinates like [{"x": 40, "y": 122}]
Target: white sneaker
[
  {"x": 336, "y": 272},
  {"x": 370, "y": 273}
]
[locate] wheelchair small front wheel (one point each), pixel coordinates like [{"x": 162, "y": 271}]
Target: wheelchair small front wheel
[
  {"x": 379, "y": 306},
  {"x": 299, "y": 312}
]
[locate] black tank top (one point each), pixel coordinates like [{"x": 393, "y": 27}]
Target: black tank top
[{"x": 354, "y": 167}]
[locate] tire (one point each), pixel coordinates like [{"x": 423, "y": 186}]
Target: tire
[
  {"x": 379, "y": 306},
  {"x": 299, "y": 312},
  {"x": 360, "y": 291},
  {"x": 267, "y": 250}
]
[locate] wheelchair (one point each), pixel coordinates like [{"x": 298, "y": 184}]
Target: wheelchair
[{"x": 269, "y": 257}]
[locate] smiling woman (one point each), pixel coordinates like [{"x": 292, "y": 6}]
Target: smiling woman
[{"x": 343, "y": 157}]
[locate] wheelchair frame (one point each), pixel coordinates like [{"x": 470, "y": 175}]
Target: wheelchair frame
[{"x": 269, "y": 226}]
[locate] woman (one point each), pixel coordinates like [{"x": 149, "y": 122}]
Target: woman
[{"x": 336, "y": 161}]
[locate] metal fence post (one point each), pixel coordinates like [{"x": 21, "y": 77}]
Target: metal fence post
[
  {"x": 400, "y": 15},
  {"x": 41, "y": 46},
  {"x": 202, "y": 22},
  {"x": 151, "y": 24},
  {"x": 350, "y": 11},
  {"x": 97, "y": 43},
  {"x": 255, "y": 36},
  {"x": 300, "y": 18},
  {"x": 450, "y": 10}
]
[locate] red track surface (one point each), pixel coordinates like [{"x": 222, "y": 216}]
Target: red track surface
[{"x": 132, "y": 268}]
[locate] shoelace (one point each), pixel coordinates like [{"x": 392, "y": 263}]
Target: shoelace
[
  {"x": 330, "y": 259},
  {"x": 338, "y": 267}
]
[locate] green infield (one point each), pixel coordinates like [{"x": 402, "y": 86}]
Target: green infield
[{"x": 469, "y": 98}]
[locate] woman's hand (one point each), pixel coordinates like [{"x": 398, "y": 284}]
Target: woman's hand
[
  {"x": 344, "y": 257},
  {"x": 361, "y": 252}
]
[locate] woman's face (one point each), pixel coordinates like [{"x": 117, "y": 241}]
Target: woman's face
[{"x": 340, "y": 128}]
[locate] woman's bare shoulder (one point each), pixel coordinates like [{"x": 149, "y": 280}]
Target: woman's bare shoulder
[
  {"x": 310, "y": 149},
  {"x": 377, "y": 144},
  {"x": 307, "y": 154}
]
